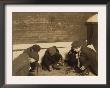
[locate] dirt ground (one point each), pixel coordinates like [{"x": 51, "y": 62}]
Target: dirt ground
[{"x": 64, "y": 71}]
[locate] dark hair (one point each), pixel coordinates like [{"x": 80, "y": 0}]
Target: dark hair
[
  {"x": 76, "y": 44},
  {"x": 36, "y": 48}
]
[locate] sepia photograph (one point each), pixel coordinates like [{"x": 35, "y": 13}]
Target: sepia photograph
[{"x": 55, "y": 43}]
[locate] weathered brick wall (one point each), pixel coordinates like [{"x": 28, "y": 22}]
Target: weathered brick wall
[{"x": 48, "y": 27}]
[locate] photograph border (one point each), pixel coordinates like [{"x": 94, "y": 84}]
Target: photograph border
[
  {"x": 2, "y": 39},
  {"x": 99, "y": 79}
]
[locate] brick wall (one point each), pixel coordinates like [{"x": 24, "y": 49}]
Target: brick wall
[{"x": 48, "y": 27}]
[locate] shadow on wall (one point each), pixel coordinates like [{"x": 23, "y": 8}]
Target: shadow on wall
[{"x": 45, "y": 27}]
